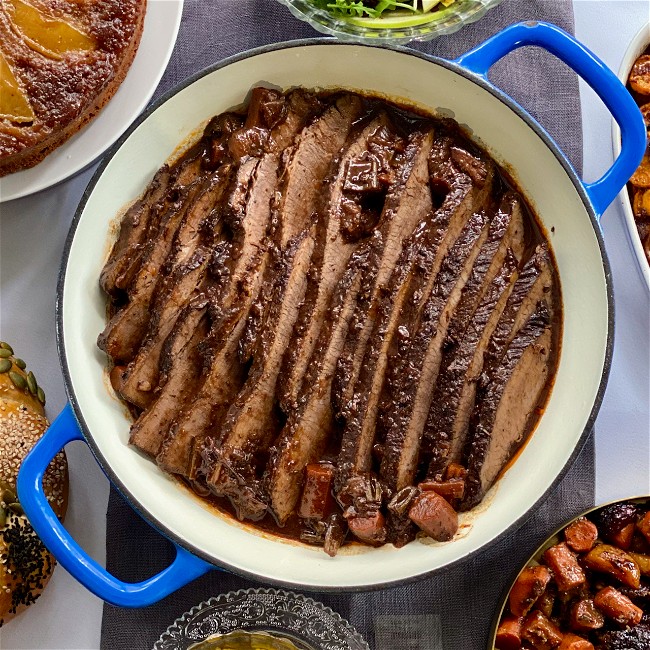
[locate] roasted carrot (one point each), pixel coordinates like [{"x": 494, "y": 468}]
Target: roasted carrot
[
  {"x": 623, "y": 538},
  {"x": 643, "y": 562},
  {"x": 509, "y": 633},
  {"x": 454, "y": 470},
  {"x": 584, "y": 616},
  {"x": 573, "y": 642},
  {"x": 452, "y": 489},
  {"x": 529, "y": 586},
  {"x": 370, "y": 529},
  {"x": 434, "y": 516},
  {"x": 540, "y": 632},
  {"x": 616, "y": 562},
  {"x": 317, "y": 497},
  {"x": 564, "y": 565},
  {"x": 644, "y": 525},
  {"x": 581, "y": 535},
  {"x": 618, "y": 607}
]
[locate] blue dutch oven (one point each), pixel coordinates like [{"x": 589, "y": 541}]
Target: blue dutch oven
[{"x": 567, "y": 207}]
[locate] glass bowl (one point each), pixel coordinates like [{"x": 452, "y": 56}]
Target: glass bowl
[
  {"x": 397, "y": 27},
  {"x": 309, "y": 625}
]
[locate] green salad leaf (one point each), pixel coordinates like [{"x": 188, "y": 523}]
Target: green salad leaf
[{"x": 361, "y": 8}]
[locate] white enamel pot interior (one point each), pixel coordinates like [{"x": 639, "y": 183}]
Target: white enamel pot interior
[
  {"x": 512, "y": 138},
  {"x": 638, "y": 45}
]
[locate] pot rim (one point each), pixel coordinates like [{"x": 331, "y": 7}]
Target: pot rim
[{"x": 453, "y": 67}]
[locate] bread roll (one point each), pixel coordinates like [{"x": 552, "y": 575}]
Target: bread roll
[{"x": 25, "y": 564}]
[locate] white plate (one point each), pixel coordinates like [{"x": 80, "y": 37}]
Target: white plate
[
  {"x": 161, "y": 23},
  {"x": 636, "y": 47}
]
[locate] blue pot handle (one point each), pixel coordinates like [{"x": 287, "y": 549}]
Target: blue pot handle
[
  {"x": 185, "y": 567},
  {"x": 599, "y": 77}
]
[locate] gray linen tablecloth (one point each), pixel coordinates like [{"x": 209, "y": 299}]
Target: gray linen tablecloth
[{"x": 452, "y": 610}]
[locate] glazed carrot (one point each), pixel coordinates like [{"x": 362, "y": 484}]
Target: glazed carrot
[
  {"x": 434, "y": 516},
  {"x": 564, "y": 565},
  {"x": 585, "y": 617},
  {"x": 618, "y": 607},
  {"x": 573, "y": 642},
  {"x": 317, "y": 494},
  {"x": 581, "y": 535},
  {"x": 616, "y": 562},
  {"x": 529, "y": 586},
  {"x": 454, "y": 470},
  {"x": 541, "y": 632},
  {"x": 623, "y": 538},
  {"x": 509, "y": 633},
  {"x": 370, "y": 529},
  {"x": 644, "y": 525},
  {"x": 643, "y": 561},
  {"x": 452, "y": 489}
]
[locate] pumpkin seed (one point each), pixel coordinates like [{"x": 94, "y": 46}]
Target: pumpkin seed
[
  {"x": 6, "y": 346},
  {"x": 5, "y": 365},
  {"x": 16, "y": 508},
  {"x": 4, "y": 353},
  {"x": 8, "y": 496},
  {"x": 18, "y": 380},
  {"x": 20, "y": 363},
  {"x": 31, "y": 383},
  {"x": 41, "y": 395}
]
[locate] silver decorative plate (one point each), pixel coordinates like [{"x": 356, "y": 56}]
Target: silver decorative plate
[{"x": 308, "y": 624}]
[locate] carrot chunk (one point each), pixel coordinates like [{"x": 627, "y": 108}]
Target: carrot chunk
[
  {"x": 317, "y": 494},
  {"x": 616, "y": 562},
  {"x": 509, "y": 633},
  {"x": 541, "y": 632},
  {"x": 574, "y": 642},
  {"x": 564, "y": 565},
  {"x": 581, "y": 535},
  {"x": 643, "y": 561},
  {"x": 370, "y": 529},
  {"x": 452, "y": 489},
  {"x": 618, "y": 607},
  {"x": 529, "y": 586},
  {"x": 644, "y": 525},
  {"x": 434, "y": 516},
  {"x": 623, "y": 538},
  {"x": 585, "y": 617}
]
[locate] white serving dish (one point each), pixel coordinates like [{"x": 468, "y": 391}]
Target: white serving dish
[{"x": 638, "y": 44}]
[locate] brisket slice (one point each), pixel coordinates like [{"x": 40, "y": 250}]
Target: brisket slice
[
  {"x": 119, "y": 268},
  {"x": 507, "y": 232},
  {"x": 408, "y": 202},
  {"x": 310, "y": 426},
  {"x": 141, "y": 222},
  {"x": 251, "y": 424},
  {"x": 218, "y": 387},
  {"x": 453, "y": 397},
  {"x": 415, "y": 367},
  {"x": 508, "y": 405},
  {"x": 125, "y": 331},
  {"x": 183, "y": 368},
  {"x": 223, "y": 374},
  {"x": 399, "y": 310},
  {"x": 302, "y": 193},
  {"x": 331, "y": 256},
  {"x": 455, "y": 393},
  {"x": 534, "y": 283},
  {"x": 181, "y": 284}
]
